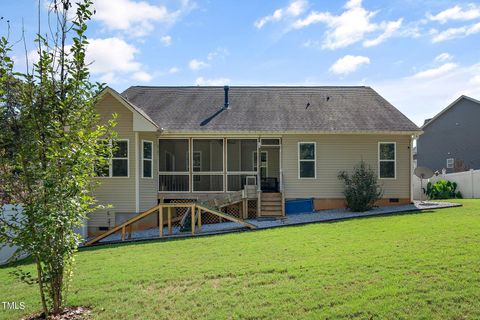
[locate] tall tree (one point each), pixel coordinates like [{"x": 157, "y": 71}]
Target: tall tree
[{"x": 50, "y": 146}]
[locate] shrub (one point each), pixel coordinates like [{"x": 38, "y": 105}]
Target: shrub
[
  {"x": 361, "y": 188},
  {"x": 442, "y": 189}
]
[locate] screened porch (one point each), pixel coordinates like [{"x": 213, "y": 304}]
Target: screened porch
[{"x": 217, "y": 165}]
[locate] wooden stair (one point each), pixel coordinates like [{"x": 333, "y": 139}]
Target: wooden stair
[{"x": 271, "y": 204}]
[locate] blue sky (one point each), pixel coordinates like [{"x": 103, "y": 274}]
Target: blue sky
[{"x": 420, "y": 55}]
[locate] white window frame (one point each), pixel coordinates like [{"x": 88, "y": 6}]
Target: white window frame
[
  {"x": 143, "y": 159},
  {"x": 254, "y": 158},
  {"x": 110, "y": 162},
  {"x": 394, "y": 160},
  {"x": 452, "y": 164},
  {"x": 314, "y": 160}
]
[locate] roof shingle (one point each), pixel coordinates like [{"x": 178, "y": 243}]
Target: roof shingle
[{"x": 330, "y": 109}]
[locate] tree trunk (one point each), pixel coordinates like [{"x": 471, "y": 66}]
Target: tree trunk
[{"x": 40, "y": 285}]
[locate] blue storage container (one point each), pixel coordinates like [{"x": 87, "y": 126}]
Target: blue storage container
[{"x": 299, "y": 206}]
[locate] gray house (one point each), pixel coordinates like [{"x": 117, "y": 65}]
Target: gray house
[{"x": 451, "y": 139}]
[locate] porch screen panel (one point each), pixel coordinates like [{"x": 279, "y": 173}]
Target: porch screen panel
[
  {"x": 239, "y": 155},
  {"x": 207, "y": 182},
  {"x": 173, "y": 165},
  {"x": 173, "y": 155},
  {"x": 208, "y": 155},
  {"x": 173, "y": 183}
]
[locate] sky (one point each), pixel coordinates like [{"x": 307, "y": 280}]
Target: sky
[{"x": 418, "y": 54}]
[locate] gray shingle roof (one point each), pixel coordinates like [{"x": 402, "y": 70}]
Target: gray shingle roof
[{"x": 335, "y": 109}]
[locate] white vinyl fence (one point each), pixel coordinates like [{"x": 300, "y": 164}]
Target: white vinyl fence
[
  {"x": 468, "y": 183},
  {"x": 6, "y": 252}
]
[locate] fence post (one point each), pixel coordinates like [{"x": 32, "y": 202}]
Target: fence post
[{"x": 472, "y": 181}]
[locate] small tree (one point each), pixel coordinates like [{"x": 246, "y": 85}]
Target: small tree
[
  {"x": 361, "y": 188},
  {"x": 49, "y": 147}
]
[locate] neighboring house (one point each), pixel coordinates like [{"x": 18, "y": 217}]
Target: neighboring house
[
  {"x": 190, "y": 143},
  {"x": 451, "y": 139}
]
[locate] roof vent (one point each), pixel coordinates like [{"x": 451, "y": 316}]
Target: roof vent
[{"x": 225, "y": 105}]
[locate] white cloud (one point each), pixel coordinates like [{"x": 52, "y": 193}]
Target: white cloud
[
  {"x": 196, "y": 64},
  {"x": 350, "y": 27},
  {"x": 389, "y": 29},
  {"x": 142, "y": 76},
  {"x": 166, "y": 40},
  {"x": 136, "y": 18},
  {"x": 453, "y": 33},
  {"x": 200, "y": 81},
  {"x": 219, "y": 53},
  {"x": 435, "y": 72},
  {"x": 348, "y": 64},
  {"x": 113, "y": 57},
  {"x": 294, "y": 9},
  {"x": 173, "y": 70},
  {"x": 423, "y": 97},
  {"x": 442, "y": 57},
  {"x": 456, "y": 13}
]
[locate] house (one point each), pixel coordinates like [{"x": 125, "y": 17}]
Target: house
[
  {"x": 450, "y": 139},
  {"x": 190, "y": 143}
]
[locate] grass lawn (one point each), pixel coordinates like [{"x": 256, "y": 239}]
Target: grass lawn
[{"x": 411, "y": 266}]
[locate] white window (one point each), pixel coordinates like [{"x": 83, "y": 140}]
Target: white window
[
  {"x": 450, "y": 163},
  {"x": 147, "y": 159},
  {"x": 263, "y": 163},
  {"x": 307, "y": 167},
  {"x": 387, "y": 155},
  {"x": 118, "y": 164}
]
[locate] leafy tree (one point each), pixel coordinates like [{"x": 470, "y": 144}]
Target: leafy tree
[
  {"x": 361, "y": 188},
  {"x": 49, "y": 148}
]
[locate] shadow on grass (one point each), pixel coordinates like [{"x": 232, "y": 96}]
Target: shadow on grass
[{"x": 135, "y": 242}]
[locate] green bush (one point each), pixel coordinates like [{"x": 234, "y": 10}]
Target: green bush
[
  {"x": 442, "y": 189},
  {"x": 361, "y": 188}
]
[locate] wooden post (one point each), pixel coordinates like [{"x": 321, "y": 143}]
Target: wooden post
[
  {"x": 245, "y": 209},
  {"x": 199, "y": 220},
  {"x": 192, "y": 212},
  {"x": 123, "y": 233},
  {"x": 130, "y": 230},
  {"x": 169, "y": 220},
  {"x": 160, "y": 223}
]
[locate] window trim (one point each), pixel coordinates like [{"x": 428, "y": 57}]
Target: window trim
[
  {"x": 314, "y": 160},
  {"x": 143, "y": 159},
  {"x": 394, "y": 160},
  {"x": 452, "y": 166},
  {"x": 110, "y": 164}
]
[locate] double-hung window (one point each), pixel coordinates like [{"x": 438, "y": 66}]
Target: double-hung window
[
  {"x": 118, "y": 164},
  {"x": 450, "y": 163},
  {"x": 307, "y": 167},
  {"x": 387, "y": 160},
  {"x": 147, "y": 159}
]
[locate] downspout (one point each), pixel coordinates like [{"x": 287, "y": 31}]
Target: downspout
[{"x": 137, "y": 173}]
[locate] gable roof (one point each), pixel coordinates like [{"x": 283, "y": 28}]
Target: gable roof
[
  {"x": 429, "y": 121},
  {"x": 141, "y": 119},
  {"x": 269, "y": 109}
]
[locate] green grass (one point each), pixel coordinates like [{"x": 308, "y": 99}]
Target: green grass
[{"x": 410, "y": 266}]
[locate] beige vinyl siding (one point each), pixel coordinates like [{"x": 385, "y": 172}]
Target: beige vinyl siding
[
  {"x": 149, "y": 186},
  {"x": 335, "y": 153},
  {"x": 118, "y": 191}
]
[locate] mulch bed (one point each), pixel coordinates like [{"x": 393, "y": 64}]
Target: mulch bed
[{"x": 69, "y": 313}]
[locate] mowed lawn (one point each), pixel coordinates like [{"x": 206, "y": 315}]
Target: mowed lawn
[{"x": 410, "y": 266}]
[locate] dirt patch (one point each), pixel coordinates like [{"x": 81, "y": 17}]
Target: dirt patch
[{"x": 69, "y": 313}]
